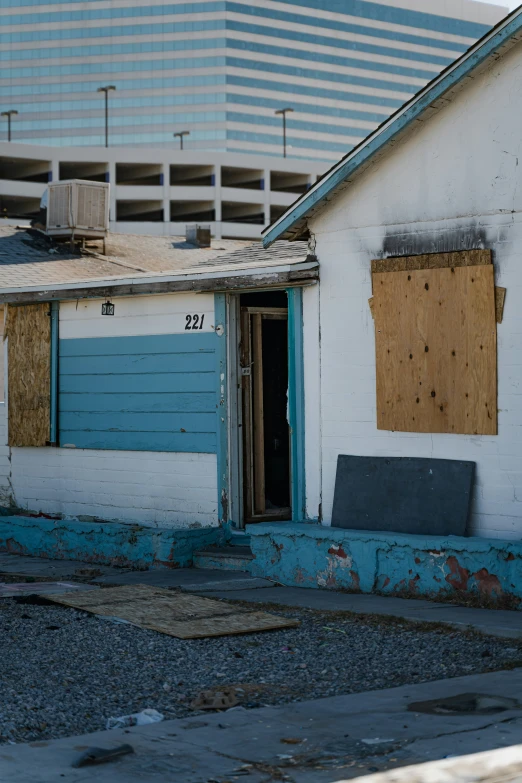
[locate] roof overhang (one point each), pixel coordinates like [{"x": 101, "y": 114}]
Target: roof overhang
[
  {"x": 284, "y": 275},
  {"x": 292, "y": 223}
]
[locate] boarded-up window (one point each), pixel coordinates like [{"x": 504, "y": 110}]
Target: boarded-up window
[
  {"x": 28, "y": 331},
  {"x": 436, "y": 344}
]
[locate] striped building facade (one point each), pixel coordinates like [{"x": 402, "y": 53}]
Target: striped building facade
[{"x": 221, "y": 68}]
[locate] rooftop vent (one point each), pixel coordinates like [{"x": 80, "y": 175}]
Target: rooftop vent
[
  {"x": 198, "y": 235},
  {"x": 78, "y": 209}
]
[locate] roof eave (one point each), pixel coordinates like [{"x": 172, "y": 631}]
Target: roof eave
[
  {"x": 300, "y": 273},
  {"x": 291, "y": 223}
]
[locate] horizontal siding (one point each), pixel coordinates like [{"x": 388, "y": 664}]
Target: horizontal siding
[
  {"x": 167, "y": 402},
  {"x": 142, "y": 393},
  {"x": 138, "y": 344},
  {"x": 138, "y": 363},
  {"x": 200, "y": 442},
  {"x": 137, "y": 422},
  {"x": 154, "y": 382}
]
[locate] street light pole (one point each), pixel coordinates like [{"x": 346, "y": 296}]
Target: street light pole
[
  {"x": 9, "y": 114},
  {"x": 283, "y": 113},
  {"x": 106, "y": 90},
  {"x": 180, "y": 135}
]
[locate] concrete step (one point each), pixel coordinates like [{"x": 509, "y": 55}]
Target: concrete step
[
  {"x": 225, "y": 558},
  {"x": 239, "y": 538}
]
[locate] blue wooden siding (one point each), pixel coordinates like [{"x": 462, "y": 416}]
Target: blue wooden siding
[{"x": 144, "y": 393}]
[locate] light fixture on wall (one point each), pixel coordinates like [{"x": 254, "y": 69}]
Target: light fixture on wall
[{"x": 107, "y": 308}]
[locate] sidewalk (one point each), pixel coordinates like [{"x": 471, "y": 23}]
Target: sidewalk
[
  {"x": 238, "y": 585},
  {"x": 332, "y": 739},
  {"x": 492, "y": 622}
]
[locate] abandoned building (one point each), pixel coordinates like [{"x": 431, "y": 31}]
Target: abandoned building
[{"x": 165, "y": 398}]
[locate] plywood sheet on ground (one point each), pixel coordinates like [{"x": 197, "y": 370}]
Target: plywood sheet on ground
[
  {"x": 436, "y": 350},
  {"x": 28, "y": 331},
  {"x": 172, "y": 613}
]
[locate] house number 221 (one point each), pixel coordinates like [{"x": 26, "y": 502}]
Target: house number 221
[{"x": 194, "y": 322}]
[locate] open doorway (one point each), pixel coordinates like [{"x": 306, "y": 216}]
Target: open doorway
[{"x": 264, "y": 382}]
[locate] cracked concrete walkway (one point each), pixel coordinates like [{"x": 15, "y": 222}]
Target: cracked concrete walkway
[
  {"x": 240, "y": 585},
  {"x": 492, "y": 622},
  {"x": 335, "y": 739}
]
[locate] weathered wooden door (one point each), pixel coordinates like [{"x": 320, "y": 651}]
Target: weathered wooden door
[{"x": 266, "y": 434}]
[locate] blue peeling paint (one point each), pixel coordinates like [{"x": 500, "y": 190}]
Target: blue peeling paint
[
  {"x": 143, "y": 393},
  {"x": 380, "y": 138},
  {"x": 306, "y": 555},
  {"x": 109, "y": 543}
]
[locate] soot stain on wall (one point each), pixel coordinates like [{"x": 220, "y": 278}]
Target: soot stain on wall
[{"x": 402, "y": 241}]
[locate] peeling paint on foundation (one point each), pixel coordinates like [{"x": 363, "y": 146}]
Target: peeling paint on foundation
[
  {"x": 107, "y": 543},
  {"x": 485, "y": 570}
]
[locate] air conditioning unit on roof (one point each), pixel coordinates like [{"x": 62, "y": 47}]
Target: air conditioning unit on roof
[{"x": 78, "y": 209}]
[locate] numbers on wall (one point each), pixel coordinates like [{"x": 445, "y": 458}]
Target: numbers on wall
[{"x": 194, "y": 322}]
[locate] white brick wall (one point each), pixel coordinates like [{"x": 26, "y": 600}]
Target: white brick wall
[
  {"x": 455, "y": 183},
  {"x": 158, "y": 489}
]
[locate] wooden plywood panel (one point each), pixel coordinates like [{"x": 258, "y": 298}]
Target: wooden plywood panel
[
  {"x": 174, "y": 614},
  {"x": 28, "y": 330},
  {"x": 436, "y": 350},
  {"x": 433, "y": 261}
]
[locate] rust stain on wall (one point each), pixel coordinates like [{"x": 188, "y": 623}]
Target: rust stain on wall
[
  {"x": 487, "y": 583},
  {"x": 339, "y": 551},
  {"x": 458, "y": 577}
]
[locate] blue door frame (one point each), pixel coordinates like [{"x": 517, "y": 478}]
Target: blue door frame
[{"x": 296, "y": 418}]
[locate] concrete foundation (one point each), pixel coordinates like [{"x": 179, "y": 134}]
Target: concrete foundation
[
  {"x": 108, "y": 543},
  {"x": 307, "y": 555}
]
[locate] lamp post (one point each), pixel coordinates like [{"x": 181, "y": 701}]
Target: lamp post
[
  {"x": 106, "y": 90},
  {"x": 283, "y": 113},
  {"x": 180, "y": 135},
  {"x": 9, "y": 114}
]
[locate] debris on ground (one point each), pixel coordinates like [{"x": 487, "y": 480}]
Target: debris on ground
[
  {"x": 222, "y": 699},
  {"x": 184, "y": 616},
  {"x": 143, "y": 718},
  {"x": 58, "y": 683},
  {"x": 102, "y": 755}
]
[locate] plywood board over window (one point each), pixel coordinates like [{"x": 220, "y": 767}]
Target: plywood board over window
[
  {"x": 28, "y": 332},
  {"x": 436, "y": 343}
]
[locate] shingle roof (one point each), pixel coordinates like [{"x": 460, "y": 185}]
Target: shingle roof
[{"x": 29, "y": 259}]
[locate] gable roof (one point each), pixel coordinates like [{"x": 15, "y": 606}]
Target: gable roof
[{"x": 292, "y": 224}]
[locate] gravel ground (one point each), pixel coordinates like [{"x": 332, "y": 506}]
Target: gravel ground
[{"x": 64, "y": 672}]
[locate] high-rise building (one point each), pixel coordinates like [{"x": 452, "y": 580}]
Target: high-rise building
[{"x": 222, "y": 68}]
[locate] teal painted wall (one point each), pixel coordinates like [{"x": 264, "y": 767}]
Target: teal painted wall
[
  {"x": 116, "y": 544},
  {"x": 488, "y": 571},
  {"x": 143, "y": 393}
]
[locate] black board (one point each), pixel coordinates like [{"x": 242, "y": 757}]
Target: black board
[{"x": 403, "y": 495}]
